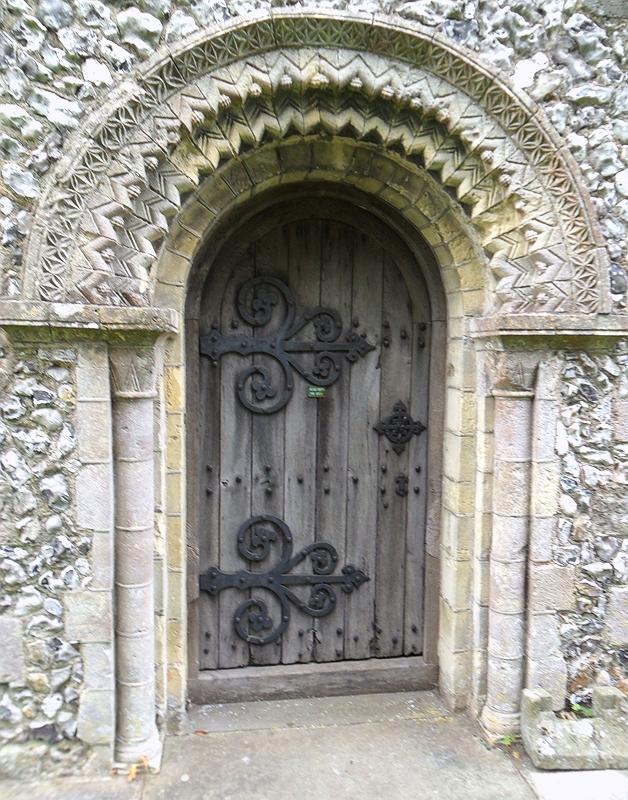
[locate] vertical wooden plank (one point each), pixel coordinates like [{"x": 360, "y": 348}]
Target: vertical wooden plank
[
  {"x": 300, "y": 435},
  {"x": 332, "y": 439},
  {"x": 235, "y": 467},
  {"x": 267, "y": 445},
  {"x": 207, "y": 432},
  {"x": 363, "y": 447},
  {"x": 417, "y": 499},
  {"x": 396, "y": 365},
  {"x": 208, "y": 502}
]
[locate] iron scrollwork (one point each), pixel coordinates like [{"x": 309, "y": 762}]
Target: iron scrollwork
[
  {"x": 252, "y": 621},
  {"x": 256, "y": 303},
  {"x": 399, "y": 427}
]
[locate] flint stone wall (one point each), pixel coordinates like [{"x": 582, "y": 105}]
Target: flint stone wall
[
  {"x": 578, "y": 593},
  {"x": 592, "y": 523},
  {"x": 55, "y": 559},
  {"x": 58, "y": 61}
]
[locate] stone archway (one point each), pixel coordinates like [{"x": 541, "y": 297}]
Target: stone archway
[
  {"x": 213, "y": 98},
  {"x": 455, "y": 159}
]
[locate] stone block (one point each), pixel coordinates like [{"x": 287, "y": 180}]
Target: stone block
[
  {"x": 511, "y": 491},
  {"x": 507, "y": 586},
  {"x": 458, "y": 496},
  {"x": 599, "y": 742},
  {"x": 513, "y": 429},
  {"x": 135, "y": 500},
  {"x": 460, "y": 412},
  {"x": 505, "y": 635},
  {"x": 541, "y": 539},
  {"x": 552, "y": 588},
  {"x": 96, "y": 717},
  {"x": 93, "y": 424},
  {"x": 183, "y": 242},
  {"x": 88, "y": 616},
  {"x": 134, "y": 426},
  {"x": 92, "y": 372},
  {"x": 510, "y": 538},
  {"x": 11, "y": 655},
  {"x": 504, "y": 685},
  {"x": 543, "y": 636},
  {"x": 98, "y": 666},
  {"x": 102, "y": 560},
  {"x": 621, "y": 420},
  {"x": 94, "y": 497},
  {"x": 459, "y": 456},
  {"x": 549, "y": 674},
  {"x": 456, "y": 583},
  {"x": 546, "y": 417},
  {"x": 455, "y": 628},
  {"x": 455, "y": 675},
  {"x": 616, "y": 619},
  {"x": 544, "y": 500}
]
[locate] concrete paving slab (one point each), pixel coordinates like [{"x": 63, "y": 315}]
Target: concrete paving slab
[
  {"x": 591, "y": 785},
  {"x": 372, "y": 747},
  {"x": 73, "y": 789},
  {"x": 376, "y": 746}
]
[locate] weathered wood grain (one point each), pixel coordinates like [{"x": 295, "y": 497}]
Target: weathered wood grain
[
  {"x": 235, "y": 469},
  {"x": 268, "y": 439},
  {"x": 333, "y": 432},
  {"x": 300, "y": 435},
  {"x": 362, "y": 462},
  {"x": 318, "y": 464}
]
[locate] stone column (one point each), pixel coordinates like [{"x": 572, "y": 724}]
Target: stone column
[
  {"x": 133, "y": 386},
  {"x": 513, "y": 382}
]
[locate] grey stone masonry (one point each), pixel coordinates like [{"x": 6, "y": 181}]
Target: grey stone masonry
[
  {"x": 11, "y": 655},
  {"x": 597, "y": 742}
]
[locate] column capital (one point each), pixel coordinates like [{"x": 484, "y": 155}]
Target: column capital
[
  {"x": 133, "y": 371},
  {"x": 512, "y": 374}
]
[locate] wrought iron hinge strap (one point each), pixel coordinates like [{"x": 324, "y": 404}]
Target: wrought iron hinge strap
[
  {"x": 255, "y": 539},
  {"x": 256, "y": 301}
]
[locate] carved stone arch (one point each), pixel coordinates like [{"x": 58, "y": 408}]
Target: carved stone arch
[
  {"x": 100, "y": 227},
  {"x": 410, "y": 203}
]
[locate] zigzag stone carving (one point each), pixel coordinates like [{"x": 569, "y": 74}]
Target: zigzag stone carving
[{"x": 101, "y": 227}]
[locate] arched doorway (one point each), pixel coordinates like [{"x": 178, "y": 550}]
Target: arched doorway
[
  {"x": 312, "y": 380},
  {"x": 453, "y": 156}
]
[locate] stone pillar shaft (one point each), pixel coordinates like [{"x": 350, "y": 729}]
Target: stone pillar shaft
[
  {"x": 133, "y": 392},
  {"x": 509, "y": 547}
]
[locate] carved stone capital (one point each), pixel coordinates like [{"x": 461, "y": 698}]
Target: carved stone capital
[
  {"x": 513, "y": 373},
  {"x": 133, "y": 372}
]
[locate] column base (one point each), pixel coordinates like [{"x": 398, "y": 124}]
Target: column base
[
  {"x": 496, "y": 724},
  {"x": 148, "y": 752}
]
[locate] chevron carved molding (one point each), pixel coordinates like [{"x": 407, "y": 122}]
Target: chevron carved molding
[{"x": 102, "y": 223}]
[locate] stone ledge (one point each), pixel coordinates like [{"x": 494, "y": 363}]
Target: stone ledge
[
  {"x": 599, "y": 742},
  {"x": 68, "y": 317},
  {"x": 612, "y": 325}
]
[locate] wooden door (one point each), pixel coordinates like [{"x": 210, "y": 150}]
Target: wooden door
[{"x": 313, "y": 397}]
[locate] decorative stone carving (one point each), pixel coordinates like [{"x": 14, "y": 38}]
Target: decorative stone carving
[
  {"x": 132, "y": 371},
  {"x": 431, "y": 105},
  {"x": 513, "y": 372}
]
